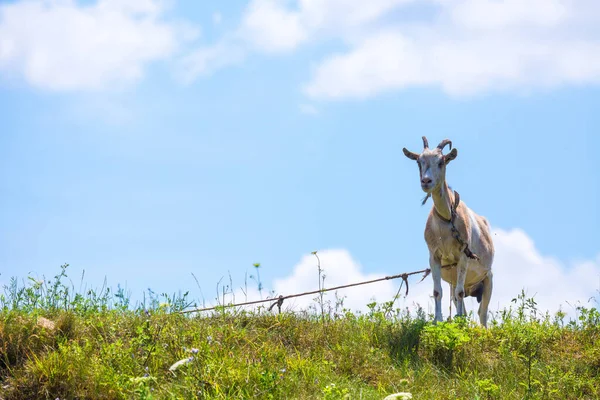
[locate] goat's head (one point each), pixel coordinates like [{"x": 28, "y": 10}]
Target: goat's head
[{"x": 432, "y": 163}]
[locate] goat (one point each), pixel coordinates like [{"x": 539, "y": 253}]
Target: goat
[{"x": 461, "y": 250}]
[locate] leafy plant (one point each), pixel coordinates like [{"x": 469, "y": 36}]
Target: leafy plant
[
  {"x": 441, "y": 341},
  {"x": 333, "y": 392}
]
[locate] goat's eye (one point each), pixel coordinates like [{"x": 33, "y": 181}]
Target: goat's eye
[{"x": 441, "y": 164}]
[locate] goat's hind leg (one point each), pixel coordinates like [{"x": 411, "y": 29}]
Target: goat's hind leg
[
  {"x": 463, "y": 307},
  {"x": 453, "y": 301},
  {"x": 485, "y": 299}
]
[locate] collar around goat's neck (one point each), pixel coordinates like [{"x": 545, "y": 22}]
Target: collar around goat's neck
[
  {"x": 446, "y": 201},
  {"x": 435, "y": 211}
]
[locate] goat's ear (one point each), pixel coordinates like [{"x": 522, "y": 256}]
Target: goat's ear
[
  {"x": 450, "y": 156},
  {"x": 410, "y": 154}
]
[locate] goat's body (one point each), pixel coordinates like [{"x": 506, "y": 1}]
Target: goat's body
[
  {"x": 445, "y": 250},
  {"x": 475, "y": 231}
]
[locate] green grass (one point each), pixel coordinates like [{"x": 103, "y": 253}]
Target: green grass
[{"x": 59, "y": 343}]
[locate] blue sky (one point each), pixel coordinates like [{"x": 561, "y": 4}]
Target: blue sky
[{"x": 145, "y": 141}]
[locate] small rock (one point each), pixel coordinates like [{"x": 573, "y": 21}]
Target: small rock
[
  {"x": 399, "y": 396},
  {"x": 45, "y": 323}
]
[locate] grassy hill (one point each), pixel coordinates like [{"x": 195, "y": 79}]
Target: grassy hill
[{"x": 55, "y": 343}]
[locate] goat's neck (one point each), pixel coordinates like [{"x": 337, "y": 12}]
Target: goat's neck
[{"x": 442, "y": 201}]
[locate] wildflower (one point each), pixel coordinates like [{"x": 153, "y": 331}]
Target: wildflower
[
  {"x": 209, "y": 339},
  {"x": 193, "y": 350}
]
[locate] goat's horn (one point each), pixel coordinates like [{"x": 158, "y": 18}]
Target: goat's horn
[
  {"x": 443, "y": 144},
  {"x": 425, "y": 143}
]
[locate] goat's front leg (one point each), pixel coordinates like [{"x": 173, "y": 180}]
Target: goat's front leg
[
  {"x": 459, "y": 291},
  {"x": 436, "y": 275}
]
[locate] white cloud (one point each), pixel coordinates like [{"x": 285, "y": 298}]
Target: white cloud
[
  {"x": 339, "y": 269},
  {"x": 269, "y": 27},
  {"x": 205, "y": 60},
  {"x": 492, "y": 15},
  {"x": 66, "y": 46},
  {"x": 464, "y": 47},
  {"x": 471, "y": 48},
  {"x": 357, "y": 75},
  {"x": 391, "y": 60},
  {"x": 518, "y": 265}
]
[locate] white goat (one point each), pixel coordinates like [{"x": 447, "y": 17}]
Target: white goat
[{"x": 461, "y": 251}]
